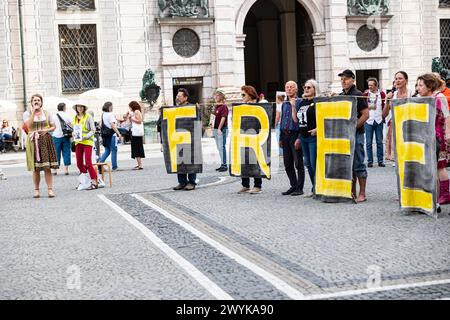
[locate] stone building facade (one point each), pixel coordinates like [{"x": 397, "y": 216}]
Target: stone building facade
[{"x": 218, "y": 43}]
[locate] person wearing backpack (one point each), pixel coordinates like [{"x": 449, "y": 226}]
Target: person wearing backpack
[
  {"x": 109, "y": 133},
  {"x": 62, "y": 136}
]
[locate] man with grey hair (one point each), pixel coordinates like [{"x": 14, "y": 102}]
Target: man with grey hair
[{"x": 289, "y": 131}]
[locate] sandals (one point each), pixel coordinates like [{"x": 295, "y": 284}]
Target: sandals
[
  {"x": 93, "y": 186},
  {"x": 36, "y": 195},
  {"x": 138, "y": 168},
  {"x": 50, "y": 193}
]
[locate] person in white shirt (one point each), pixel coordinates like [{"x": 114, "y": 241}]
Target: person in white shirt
[
  {"x": 281, "y": 96},
  {"x": 5, "y": 134},
  {"x": 62, "y": 141},
  {"x": 375, "y": 123},
  {"x": 110, "y": 133}
]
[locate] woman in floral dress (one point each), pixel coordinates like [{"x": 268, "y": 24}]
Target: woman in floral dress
[{"x": 40, "y": 150}]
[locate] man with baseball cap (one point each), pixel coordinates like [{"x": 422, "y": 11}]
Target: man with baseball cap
[{"x": 359, "y": 168}]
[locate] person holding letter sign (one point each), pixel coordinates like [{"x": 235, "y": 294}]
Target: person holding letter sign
[
  {"x": 249, "y": 95},
  {"x": 429, "y": 86},
  {"x": 292, "y": 151},
  {"x": 359, "y": 168},
  {"x": 185, "y": 181},
  {"x": 306, "y": 118}
]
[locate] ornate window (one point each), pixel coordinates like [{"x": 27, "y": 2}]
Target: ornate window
[
  {"x": 367, "y": 38},
  {"x": 78, "y": 52},
  {"x": 186, "y": 43},
  {"x": 76, "y": 4},
  {"x": 445, "y": 42},
  {"x": 444, "y": 3}
]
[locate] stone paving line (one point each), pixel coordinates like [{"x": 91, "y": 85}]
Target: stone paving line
[
  {"x": 236, "y": 280},
  {"x": 431, "y": 290},
  {"x": 380, "y": 253}
]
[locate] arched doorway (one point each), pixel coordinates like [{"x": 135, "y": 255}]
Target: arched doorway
[{"x": 278, "y": 45}]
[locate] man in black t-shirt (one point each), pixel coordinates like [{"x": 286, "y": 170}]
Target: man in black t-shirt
[{"x": 359, "y": 168}]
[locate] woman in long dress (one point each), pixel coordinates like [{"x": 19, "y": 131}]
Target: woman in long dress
[
  {"x": 40, "y": 150},
  {"x": 137, "y": 138}
]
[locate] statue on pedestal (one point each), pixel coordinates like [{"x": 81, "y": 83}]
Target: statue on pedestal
[
  {"x": 438, "y": 66},
  {"x": 150, "y": 90},
  {"x": 184, "y": 8},
  {"x": 367, "y": 7}
]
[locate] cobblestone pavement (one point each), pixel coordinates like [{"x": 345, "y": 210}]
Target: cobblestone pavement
[{"x": 267, "y": 246}]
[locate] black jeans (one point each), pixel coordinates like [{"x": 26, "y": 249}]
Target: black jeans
[
  {"x": 293, "y": 159},
  {"x": 246, "y": 182},
  {"x": 187, "y": 178}
]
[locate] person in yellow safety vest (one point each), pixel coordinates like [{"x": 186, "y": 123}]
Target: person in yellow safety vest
[{"x": 84, "y": 130}]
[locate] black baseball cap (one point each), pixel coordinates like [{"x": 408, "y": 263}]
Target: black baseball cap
[{"x": 347, "y": 73}]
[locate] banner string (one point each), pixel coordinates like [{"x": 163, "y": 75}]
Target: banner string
[{"x": 212, "y": 104}]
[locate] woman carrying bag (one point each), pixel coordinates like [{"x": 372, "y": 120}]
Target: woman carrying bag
[
  {"x": 137, "y": 134},
  {"x": 83, "y": 134}
]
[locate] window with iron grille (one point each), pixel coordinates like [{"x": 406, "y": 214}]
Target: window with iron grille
[
  {"x": 445, "y": 42},
  {"x": 78, "y": 52},
  {"x": 444, "y": 3},
  {"x": 76, "y": 4}
]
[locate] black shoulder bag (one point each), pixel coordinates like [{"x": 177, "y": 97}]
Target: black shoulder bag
[
  {"x": 105, "y": 131},
  {"x": 66, "y": 129}
]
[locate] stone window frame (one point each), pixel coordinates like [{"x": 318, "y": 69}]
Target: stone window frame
[
  {"x": 75, "y": 4},
  {"x": 444, "y": 3},
  {"x": 444, "y": 38},
  {"x": 84, "y": 74}
]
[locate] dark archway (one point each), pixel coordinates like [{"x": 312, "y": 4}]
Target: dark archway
[
  {"x": 305, "y": 45},
  {"x": 267, "y": 66}
]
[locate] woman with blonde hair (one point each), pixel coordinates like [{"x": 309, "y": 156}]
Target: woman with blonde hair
[
  {"x": 40, "y": 150},
  {"x": 306, "y": 118}
]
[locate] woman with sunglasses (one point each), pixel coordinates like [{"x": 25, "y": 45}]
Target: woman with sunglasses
[
  {"x": 306, "y": 118},
  {"x": 249, "y": 95}
]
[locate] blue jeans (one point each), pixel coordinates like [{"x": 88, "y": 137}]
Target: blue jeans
[
  {"x": 378, "y": 129},
  {"x": 187, "y": 178},
  {"x": 309, "y": 147},
  {"x": 277, "y": 133},
  {"x": 111, "y": 149},
  {"x": 359, "y": 168},
  {"x": 62, "y": 145},
  {"x": 4, "y": 136},
  {"x": 221, "y": 142}
]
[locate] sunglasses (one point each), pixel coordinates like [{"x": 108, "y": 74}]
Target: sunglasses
[
  {"x": 243, "y": 95},
  {"x": 307, "y": 87}
]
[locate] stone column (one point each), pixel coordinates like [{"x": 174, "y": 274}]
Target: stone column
[
  {"x": 289, "y": 46},
  {"x": 322, "y": 61},
  {"x": 225, "y": 43},
  {"x": 337, "y": 33}
]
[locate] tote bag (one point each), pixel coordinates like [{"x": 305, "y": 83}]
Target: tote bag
[{"x": 137, "y": 130}]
